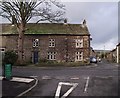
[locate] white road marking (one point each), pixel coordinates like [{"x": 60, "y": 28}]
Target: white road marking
[
  {"x": 1, "y": 78},
  {"x": 70, "y": 90},
  {"x": 74, "y": 78},
  {"x": 117, "y": 65},
  {"x": 57, "y": 95},
  {"x": 19, "y": 79},
  {"x": 36, "y": 82},
  {"x": 87, "y": 82},
  {"x": 46, "y": 77},
  {"x": 104, "y": 77},
  {"x": 58, "y": 90},
  {"x": 116, "y": 70},
  {"x": 34, "y": 76},
  {"x": 96, "y": 65},
  {"x": 60, "y": 77}
]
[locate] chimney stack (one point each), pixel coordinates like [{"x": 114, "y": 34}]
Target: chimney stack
[
  {"x": 84, "y": 22},
  {"x": 13, "y": 19},
  {"x": 65, "y": 21}
]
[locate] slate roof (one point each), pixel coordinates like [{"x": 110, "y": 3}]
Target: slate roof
[
  {"x": 47, "y": 28},
  {"x": 118, "y": 44}
]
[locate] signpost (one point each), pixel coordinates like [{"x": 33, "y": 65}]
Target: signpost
[{"x": 8, "y": 71}]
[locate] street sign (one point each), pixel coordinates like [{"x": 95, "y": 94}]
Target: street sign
[{"x": 8, "y": 71}]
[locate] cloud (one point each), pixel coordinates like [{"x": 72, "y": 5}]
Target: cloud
[
  {"x": 102, "y": 20},
  {"x": 104, "y": 24},
  {"x": 90, "y": 0},
  {"x": 108, "y": 45}
]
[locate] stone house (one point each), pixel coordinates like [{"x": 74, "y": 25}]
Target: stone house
[
  {"x": 111, "y": 56},
  {"x": 60, "y": 42},
  {"x": 92, "y": 52},
  {"x": 118, "y": 53},
  {"x": 114, "y": 55}
]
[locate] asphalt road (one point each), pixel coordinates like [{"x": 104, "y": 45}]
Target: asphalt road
[{"x": 99, "y": 80}]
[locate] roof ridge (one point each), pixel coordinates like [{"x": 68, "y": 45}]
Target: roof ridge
[
  {"x": 48, "y": 28},
  {"x": 41, "y": 23}
]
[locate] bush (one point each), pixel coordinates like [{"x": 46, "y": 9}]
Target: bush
[
  {"x": 43, "y": 60},
  {"x": 52, "y": 63},
  {"x": 48, "y": 63},
  {"x": 10, "y": 57}
]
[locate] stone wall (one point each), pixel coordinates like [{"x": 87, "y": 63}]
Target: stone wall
[{"x": 64, "y": 46}]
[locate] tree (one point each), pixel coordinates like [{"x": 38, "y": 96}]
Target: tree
[
  {"x": 20, "y": 12},
  {"x": 10, "y": 57}
]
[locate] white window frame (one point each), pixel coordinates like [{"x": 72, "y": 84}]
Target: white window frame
[
  {"x": 51, "y": 42},
  {"x": 78, "y": 56},
  {"x": 1, "y": 49},
  {"x": 79, "y": 43},
  {"x": 51, "y": 55},
  {"x": 35, "y": 42}
]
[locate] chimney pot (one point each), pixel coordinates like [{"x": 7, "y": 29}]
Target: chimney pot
[{"x": 65, "y": 21}]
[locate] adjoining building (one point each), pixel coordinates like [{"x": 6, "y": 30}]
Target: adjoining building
[
  {"x": 60, "y": 42},
  {"x": 114, "y": 55},
  {"x": 111, "y": 56},
  {"x": 118, "y": 53}
]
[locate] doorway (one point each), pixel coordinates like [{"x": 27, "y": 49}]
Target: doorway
[{"x": 35, "y": 57}]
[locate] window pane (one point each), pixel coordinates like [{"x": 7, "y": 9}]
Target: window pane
[
  {"x": 79, "y": 43},
  {"x": 48, "y": 55},
  {"x": 51, "y": 55},
  {"x": 51, "y": 43},
  {"x": 77, "y": 57},
  {"x": 35, "y": 42}
]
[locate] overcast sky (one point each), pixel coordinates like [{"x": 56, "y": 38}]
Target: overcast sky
[
  {"x": 102, "y": 21},
  {"x": 101, "y": 17}
]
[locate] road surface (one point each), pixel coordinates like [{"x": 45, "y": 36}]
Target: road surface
[{"x": 62, "y": 82}]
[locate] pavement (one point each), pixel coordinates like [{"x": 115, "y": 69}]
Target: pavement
[{"x": 17, "y": 86}]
